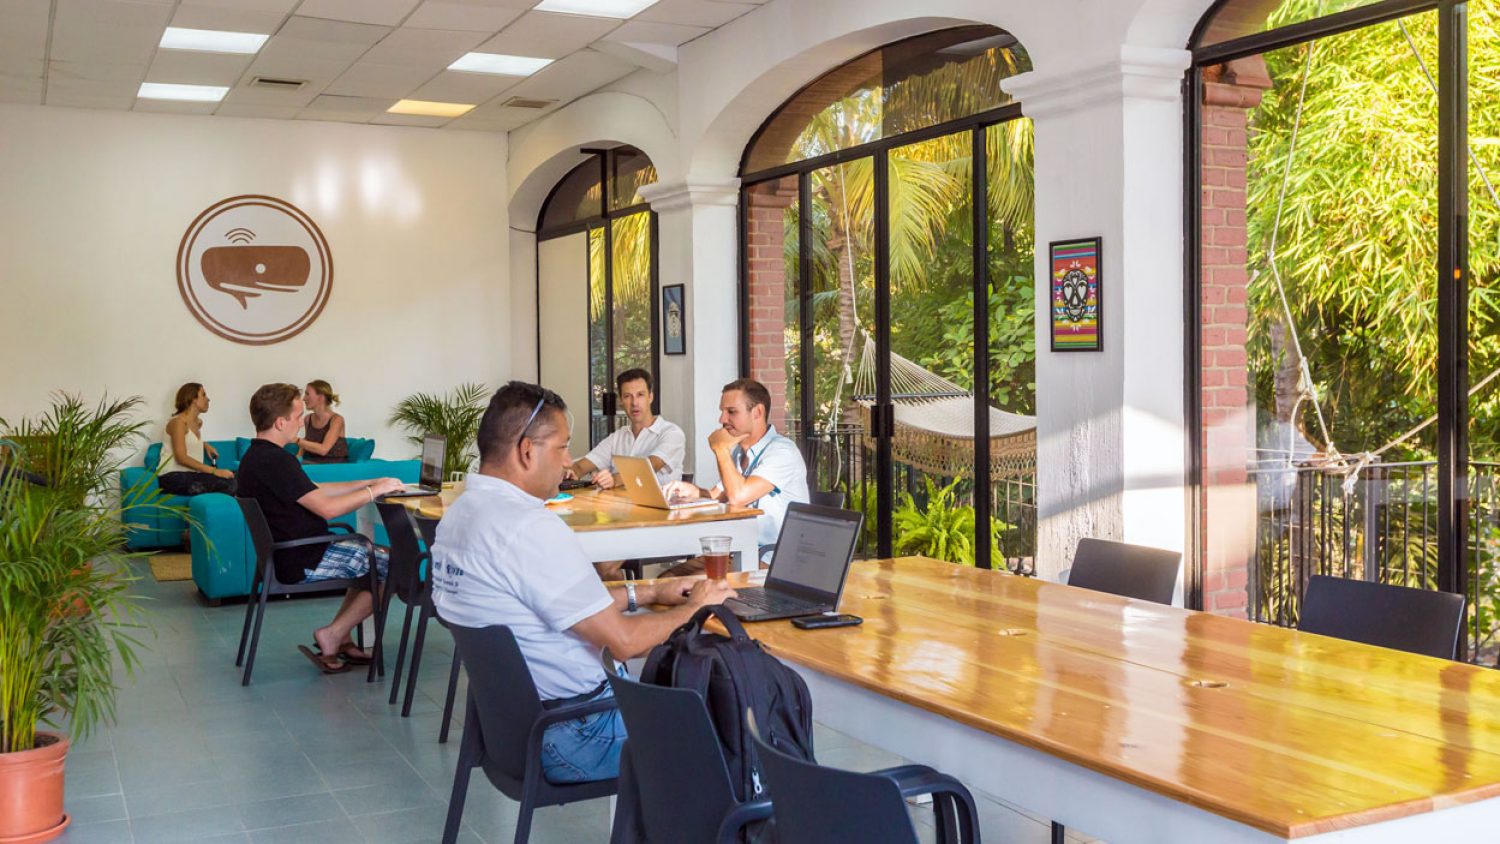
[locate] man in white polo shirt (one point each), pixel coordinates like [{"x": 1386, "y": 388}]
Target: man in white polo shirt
[
  {"x": 757, "y": 466},
  {"x": 501, "y": 557},
  {"x": 647, "y": 435}
]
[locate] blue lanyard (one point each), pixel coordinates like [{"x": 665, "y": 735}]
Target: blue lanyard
[{"x": 775, "y": 490}]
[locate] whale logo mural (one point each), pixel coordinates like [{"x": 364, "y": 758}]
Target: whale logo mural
[{"x": 254, "y": 269}]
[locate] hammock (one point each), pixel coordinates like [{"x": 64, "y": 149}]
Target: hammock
[{"x": 935, "y": 422}]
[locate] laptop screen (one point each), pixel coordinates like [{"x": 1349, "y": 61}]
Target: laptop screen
[
  {"x": 814, "y": 549},
  {"x": 433, "y": 447}
]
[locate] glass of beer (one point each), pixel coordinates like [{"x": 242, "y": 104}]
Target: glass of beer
[{"x": 715, "y": 556}]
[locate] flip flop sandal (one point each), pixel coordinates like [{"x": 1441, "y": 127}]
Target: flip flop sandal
[{"x": 327, "y": 665}]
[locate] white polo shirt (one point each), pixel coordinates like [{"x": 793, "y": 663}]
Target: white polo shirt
[
  {"x": 502, "y": 558},
  {"x": 659, "y": 439},
  {"x": 778, "y": 460}
]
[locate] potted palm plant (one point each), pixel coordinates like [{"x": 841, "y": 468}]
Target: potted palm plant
[
  {"x": 66, "y": 616},
  {"x": 455, "y": 415}
]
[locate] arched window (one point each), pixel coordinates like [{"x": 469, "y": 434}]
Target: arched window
[
  {"x": 888, "y": 301},
  {"x": 597, "y": 283},
  {"x": 1345, "y": 250}
]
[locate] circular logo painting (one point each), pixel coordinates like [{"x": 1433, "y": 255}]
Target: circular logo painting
[{"x": 254, "y": 269}]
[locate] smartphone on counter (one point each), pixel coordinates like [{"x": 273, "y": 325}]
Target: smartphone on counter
[{"x": 822, "y": 620}]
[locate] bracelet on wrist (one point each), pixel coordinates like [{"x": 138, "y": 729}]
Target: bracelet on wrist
[{"x": 630, "y": 604}]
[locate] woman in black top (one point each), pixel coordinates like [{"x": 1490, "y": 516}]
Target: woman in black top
[{"x": 322, "y": 439}]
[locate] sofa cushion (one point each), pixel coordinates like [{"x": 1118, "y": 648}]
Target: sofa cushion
[
  {"x": 153, "y": 456},
  {"x": 360, "y": 449}
]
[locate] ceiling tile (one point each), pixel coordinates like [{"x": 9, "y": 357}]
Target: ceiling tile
[
  {"x": 693, "y": 12},
  {"x": 90, "y": 93},
  {"x": 547, "y": 35},
  {"x": 368, "y": 106},
  {"x": 494, "y": 117},
  {"x": 431, "y": 48},
  {"x": 229, "y": 20},
  {"x": 572, "y": 77},
  {"x": 486, "y": 17},
  {"x": 21, "y": 90},
  {"x": 383, "y": 12},
  {"x": 123, "y": 76},
  {"x": 252, "y": 96},
  {"x": 23, "y": 34},
  {"x": 451, "y": 86},
  {"x": 174, "y": 107},
  {"x": 107, "y": 30},
  {"x": 194, "y": 68},
  {"x": 228, "y": 109},
  {"x": 410, "y": 120},
  {"x": 367, "y": 79},
  {"x": 277, "y": 7},
  {"x": 337, "y": 31},
  {"x": 649, "y": 32}
]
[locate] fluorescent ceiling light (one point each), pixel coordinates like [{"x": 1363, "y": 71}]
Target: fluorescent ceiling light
[
  {"x": 189, "y": 93},
  {"x": 211, "y": 40},
  {"x": 595, "y": 8},
  {"x": 427, "y": 109},
  {"x": 498, "y": 64}
]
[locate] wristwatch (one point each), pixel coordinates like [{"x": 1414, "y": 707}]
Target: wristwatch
[{"x": 630, "y": 605}]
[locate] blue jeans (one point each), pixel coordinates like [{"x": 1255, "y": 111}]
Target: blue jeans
[{"x": 584, "y": 749}]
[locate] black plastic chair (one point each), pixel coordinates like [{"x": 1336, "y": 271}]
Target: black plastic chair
[
  {"x": 405, "y": 580},
  {"x": 674, "y": 785},
  {"x": 265, "y": 584},
  {"x": 428, "y": 529},
  {"x": 503, "y": 728},
  {"x": 867, "y": 807},
  {"x": 1131, "y": 571},
  {"x": 1417, "y": 621}
]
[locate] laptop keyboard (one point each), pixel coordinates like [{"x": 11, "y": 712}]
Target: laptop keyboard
[{"x": 758, "y": 598}]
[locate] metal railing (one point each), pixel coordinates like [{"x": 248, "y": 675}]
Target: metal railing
[{"x": 1375, "y": 523}]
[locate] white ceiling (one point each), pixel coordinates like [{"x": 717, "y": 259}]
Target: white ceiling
[{"x": 358, "y": 57}]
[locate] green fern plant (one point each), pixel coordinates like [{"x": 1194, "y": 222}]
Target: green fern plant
[
  {"x": 455, "y": 415},
  {"x": 943, "y": 529}
]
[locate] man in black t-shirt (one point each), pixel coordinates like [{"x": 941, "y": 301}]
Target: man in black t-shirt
[{"x": 297, "y": 508}]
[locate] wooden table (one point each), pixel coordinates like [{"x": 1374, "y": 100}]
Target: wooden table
[
  {"x": 611, "y": 528},
  {"x": 1137, "y": 722}
]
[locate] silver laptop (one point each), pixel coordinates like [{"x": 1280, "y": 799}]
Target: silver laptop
[
  {"x": 638, "y": 482},
  {"x": 808, "y": 568},
  {"x": 430, "y": 481}
]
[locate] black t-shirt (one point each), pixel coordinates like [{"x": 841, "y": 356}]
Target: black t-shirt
[{"x": 274, "y": 478}]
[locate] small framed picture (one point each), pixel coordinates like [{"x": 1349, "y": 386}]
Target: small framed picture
[
  {"x": 1076, "y": 323},
  {"x": 673, "y": 321}
]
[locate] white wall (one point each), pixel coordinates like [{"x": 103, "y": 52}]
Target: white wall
[{"x": 96, "y": 203}]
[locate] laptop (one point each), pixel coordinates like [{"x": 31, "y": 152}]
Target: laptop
[
  {"x": 638, "y": 482},
  {"x": 430, "y": 481},
  {"x": 808, "y": 568}
]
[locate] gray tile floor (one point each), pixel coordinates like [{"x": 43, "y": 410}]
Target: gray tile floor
[{"x": 301, "y": 757}]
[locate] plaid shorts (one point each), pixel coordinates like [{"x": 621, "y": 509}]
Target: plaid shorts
[{"x": 348, "y": 558}]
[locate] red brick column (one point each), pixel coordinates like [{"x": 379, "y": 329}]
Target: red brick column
[
  {"x": 1230, "y": 92},
  {"x": 765, "y": 239}
]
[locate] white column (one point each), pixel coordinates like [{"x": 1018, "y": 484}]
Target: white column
[
  {"x": 1111, "y": 438},
  {"x": 699, "y": 247}
]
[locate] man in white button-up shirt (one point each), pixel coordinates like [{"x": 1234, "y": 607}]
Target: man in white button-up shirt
[
  {"x": 501, "y": 557},
  {"x": 647, "y": 435}
]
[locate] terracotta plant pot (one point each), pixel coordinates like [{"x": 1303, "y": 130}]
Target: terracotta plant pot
[{"x": 31, "y": 791}]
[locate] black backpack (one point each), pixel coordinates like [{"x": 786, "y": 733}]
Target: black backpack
[{"x": 733, "y": 674}]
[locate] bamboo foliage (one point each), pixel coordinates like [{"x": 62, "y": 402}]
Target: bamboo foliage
[{"x": 455, "y": 415}]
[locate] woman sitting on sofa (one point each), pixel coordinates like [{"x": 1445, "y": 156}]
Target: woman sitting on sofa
[
  {"x": 182, "y": 470},
  {"x": 322, "y": 438}
]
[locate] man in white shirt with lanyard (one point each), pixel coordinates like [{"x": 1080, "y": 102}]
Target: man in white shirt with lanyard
[
  {"x": 501, "y": 557},
  {"x": 758, "y": 467},
  {"x": 647, "y": 435}
]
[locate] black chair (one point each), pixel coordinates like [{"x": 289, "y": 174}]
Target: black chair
[
  {"x": 1131, "y": 571},
  {"x": 428, "y": 529},
  {"x": 1417, "y": 621},
  {"x": 265, "y": 584},
  {"x": 869, "y": 807},
  {"x": 674, "y": 785},
  {"x": 405, "y": 580},
  {"x": 503, "y": 728}
]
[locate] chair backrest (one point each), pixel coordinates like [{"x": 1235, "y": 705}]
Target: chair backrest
[
  {"x": 1418, "y": 621},
  {"x": 503, "y": 691},
  {"x": 406, "y": 553},
  {"x": 681, "y": 776},
  {"x": 428, "y": 529},
  {"x": 260, "y": 534},
  {"x": 1132, "y": 571},
  {"x": 826, "y": 499},
  {"x": 867, "y": 807}
]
